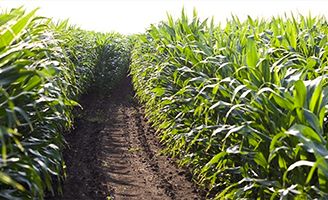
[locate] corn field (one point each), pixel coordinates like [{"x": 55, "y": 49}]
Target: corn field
[
  {"x": 45, "y": 67},
  {"x": 243, "y": 106}
]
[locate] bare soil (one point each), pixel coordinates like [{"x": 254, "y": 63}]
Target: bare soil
[{"x": 113, "y": 153}]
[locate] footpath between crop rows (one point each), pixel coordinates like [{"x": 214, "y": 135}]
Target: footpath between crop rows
[{"x": 114, "y": 154}]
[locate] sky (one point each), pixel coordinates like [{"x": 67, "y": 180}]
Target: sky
[{"x": 134, "y": 16}]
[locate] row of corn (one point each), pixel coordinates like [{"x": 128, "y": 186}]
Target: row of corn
[
  {"x": 243, "y": 105},
  {"x": 44, "y": 68}
]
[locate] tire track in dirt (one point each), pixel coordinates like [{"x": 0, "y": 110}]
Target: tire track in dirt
[{"x": 114, "y": 154}]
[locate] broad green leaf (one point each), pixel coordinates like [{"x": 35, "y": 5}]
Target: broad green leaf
[
  {"x": 299, "y": 93},
  {"x": 13, "y": 32},
  {"x": 251, "y": 52},
  {"x": 305, "y": 133}
]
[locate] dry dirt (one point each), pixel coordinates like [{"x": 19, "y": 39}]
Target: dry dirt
[{"x": 114, "y": 154}]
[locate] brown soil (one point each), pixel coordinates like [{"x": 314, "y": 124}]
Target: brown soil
[{"x": 114, "y": 154}]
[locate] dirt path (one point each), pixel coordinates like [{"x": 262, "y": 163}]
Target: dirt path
[{"x": 114, "y": 154}]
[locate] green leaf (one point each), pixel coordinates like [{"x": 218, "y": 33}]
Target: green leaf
[
  {"x": 299, "y": 93},
  {"x": 13, "y": 32},
  {"x": 304, "y": 132},
  {"x": 261, "y": 160},
  {"x": 313, "y": 120},
  {"x": 283, "y": 102},
  {"x": 4, "y": 178},
  {"x": 316, "y": 99},
  {"x": 251, "y": 52},
  {"x": 213, "y": 161},
  {"x": 159, "y": 91}
]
